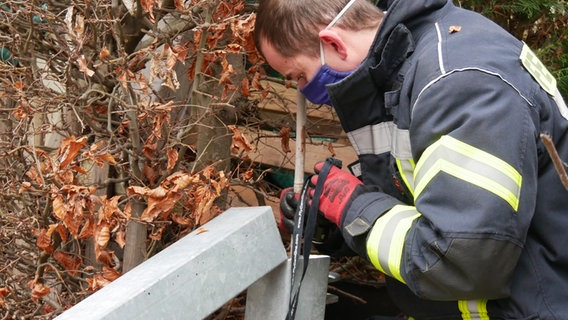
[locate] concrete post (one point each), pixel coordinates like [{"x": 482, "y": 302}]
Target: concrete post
[{"x": 268, "y": 297}]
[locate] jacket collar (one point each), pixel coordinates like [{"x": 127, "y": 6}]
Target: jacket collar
[
  {"x": 362, "y": 92},
  {"x": 408, "y": 12}
]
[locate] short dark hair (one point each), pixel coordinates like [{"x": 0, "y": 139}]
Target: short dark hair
[{"x": 292, "y": 26}]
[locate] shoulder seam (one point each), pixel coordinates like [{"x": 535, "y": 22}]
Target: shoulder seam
[{"x": 433, "y": 81}]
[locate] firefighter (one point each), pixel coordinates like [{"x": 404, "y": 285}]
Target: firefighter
[{"x": 457, "y": 200}]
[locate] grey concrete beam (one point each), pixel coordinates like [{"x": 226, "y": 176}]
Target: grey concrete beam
[{"x": 194, "y": 276}]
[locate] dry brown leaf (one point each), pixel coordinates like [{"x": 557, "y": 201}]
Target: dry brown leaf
[
  {"x": 182, "y": 221},
  {"x": 240, "y": 142},
  {"x": 150, "y": 147},
  {"x": 99, "y": 157},
  {"x": 105, "y": 257},
  {"x": 233, "y": 48},
  {"x": 179, "y": 4},
  {"x": 70, "y": 263},
  {"x": 110, "y": 274},
  {"x": 100, "y": 280},
  {"x": 201, "y": 230},
  {"x": 172, "y": 159},
  {"x": 33, "y": 174},
  {"x": 256, "y": 82},
  {"x": 88, "y": 229},
  {"x": 248, "y": 175},
  {"x": 330, "y": 148},
  {"x": 79, "y": 169},
  {"x": 245, "y": 87},
  {"x": 83, "y": 66},
  {"x": 69, "y": 149},
  {"x": 102, "y": 235},
  {"x": 109, "y": 210},
  {"x": 25, "y": 186},
  {"x": 120, "y": 238},
  {"x": 79, "y": 28},
  {"x": 157, "y": 235},
  {"x": 211, "y": 213},
  {"x": 228, "y": 70},
  {"x": 285, "y": 139},
  {"x": 43, "y": 241},
  {"x": 158, "y": 192},
  {"x": 150, "y": 173},
  {"x": 171, "y": 57},
  {"x": 65, "y": 176},
  {"x": 143, "y": 83},
  {"x": 62, "y": 231},
  {"x": 181, "y": 52},
  {"x": 148, "y": 6},
  {"x": 124, "y": 76},
  {"x": 215, "y": 34},
  {"x": 104, "y": 53},
  {"x": 454, "y": 29},
  {"x": 38, "y": 291},
  {"x": 3, "y": 292}
]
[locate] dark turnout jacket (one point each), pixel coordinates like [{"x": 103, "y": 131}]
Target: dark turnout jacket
[{"x": 446, "y": 114}]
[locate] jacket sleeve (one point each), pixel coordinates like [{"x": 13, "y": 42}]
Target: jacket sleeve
[{"x": 474, "y": 193}]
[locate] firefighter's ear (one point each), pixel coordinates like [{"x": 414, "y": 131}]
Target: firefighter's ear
[{"x": 332, "y": 42}]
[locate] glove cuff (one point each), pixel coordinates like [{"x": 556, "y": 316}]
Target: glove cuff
[{"x": 361, "y": 215}]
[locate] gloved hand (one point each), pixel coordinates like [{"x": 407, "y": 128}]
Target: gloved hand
[
  {"x": 288, "y": 204},
  {"x": 339, "y": 190},
  {"x": 327, "y": 238}
]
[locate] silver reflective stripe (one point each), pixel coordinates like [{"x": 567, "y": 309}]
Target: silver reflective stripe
[
  {"x": 561, "y": 104},
  {"x": 381, "y": 138},
  {"x": 402, "y": 152},
  {"x": 373, "y": 139},
  {"x": 440, "y": 55},
  {"x": 387, "y": 237},
  {"x": 386, "y": 137},
  {"x": 473, "y": 309},
  {"x": 401, "y": 144},
  {"x": 470, "y": 164},
  {"x": 538, "y": 70}
]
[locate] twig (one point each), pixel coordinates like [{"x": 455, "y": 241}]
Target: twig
[
  {"x": 558, "y": 163},
  {"x": 333, "y": 289}
]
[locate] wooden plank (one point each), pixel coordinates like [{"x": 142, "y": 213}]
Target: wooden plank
[
  {"x": 269, "y": 151},
  {"x": 278, "y": 109}
]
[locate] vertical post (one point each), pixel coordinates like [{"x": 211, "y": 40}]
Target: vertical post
[
  {"x": 301, "y": 118},
  {"x": 268, "y": 297}
]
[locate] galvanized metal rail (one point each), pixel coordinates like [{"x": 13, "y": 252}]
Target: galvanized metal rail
[{"x": 240, "y": 249}]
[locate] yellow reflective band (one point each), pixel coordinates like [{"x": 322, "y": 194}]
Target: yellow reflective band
[
  {"x": 406, "y": 169},
  {"x": 386, "y": 240},
  {"x": 473, "y": 309},
  {"x": 469, "y": 164},
  {"x": 537, "y": 69}
]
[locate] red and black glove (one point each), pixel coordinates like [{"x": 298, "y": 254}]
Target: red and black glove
[
  {"x": 288, "y": 204},
  {"x": 339, "y": 190},
  {"x": 327, "y": 239}
]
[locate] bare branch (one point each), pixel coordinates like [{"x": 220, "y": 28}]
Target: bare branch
[{"x": 559, "y": 165}]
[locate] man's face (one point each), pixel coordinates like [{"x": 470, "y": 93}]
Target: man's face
[{"x": 300, "y": 68}]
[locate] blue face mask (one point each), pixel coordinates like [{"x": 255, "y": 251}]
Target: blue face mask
[{"x": 315, "y": 90}]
